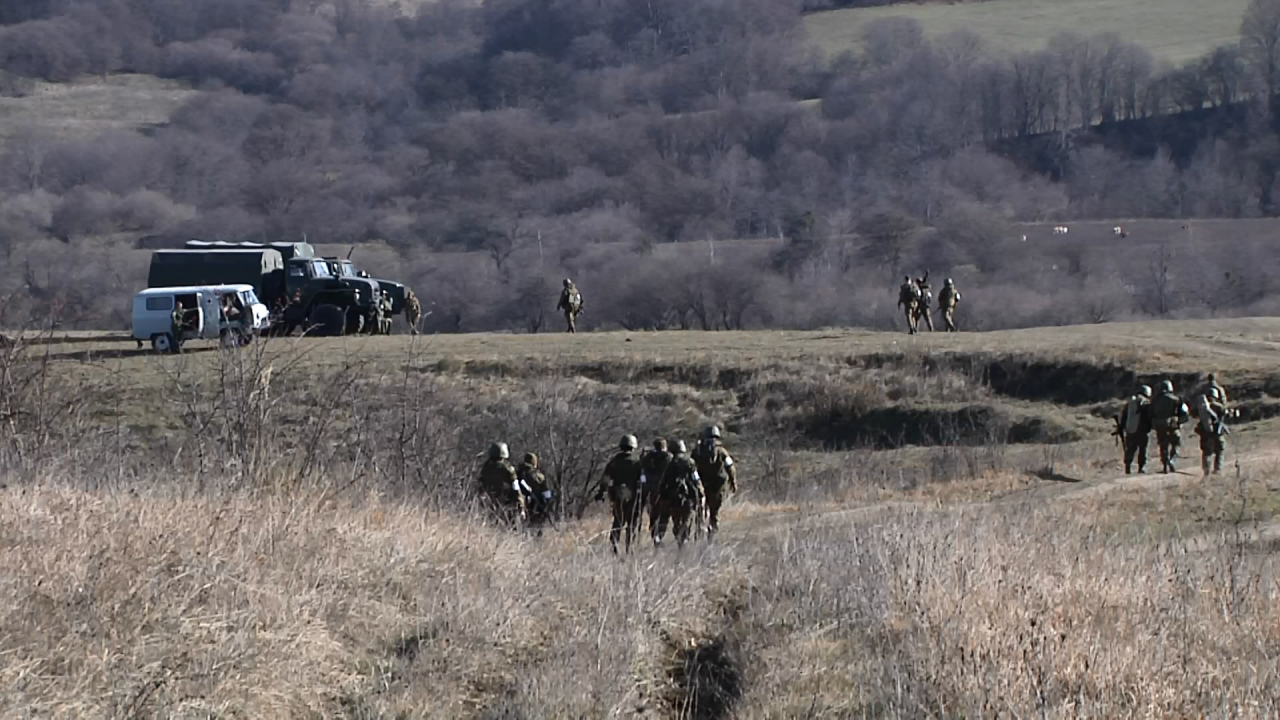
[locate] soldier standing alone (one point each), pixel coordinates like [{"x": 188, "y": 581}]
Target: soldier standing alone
[
  {"x": 1135, "y": 423},
  {"x": 571, "y": 304},
  {"x": 1210, "y": 413},
  {"x": 412, "y": 311},
  {"x": 716, "y": 468},
  {"x": 948, "y": 297},
  {"x": 622, "y": 482},
  {"x": 1168, "y": 412},
  {"x": 177, "y": 324}
]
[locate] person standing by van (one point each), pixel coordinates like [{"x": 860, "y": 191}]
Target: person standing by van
[{"x": 177, "y": 321}]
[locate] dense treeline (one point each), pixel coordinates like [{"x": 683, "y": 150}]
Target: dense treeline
[{"x": 562, "y": 123}]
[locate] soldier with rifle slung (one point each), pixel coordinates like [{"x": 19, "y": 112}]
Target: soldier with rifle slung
[{"x": 1133, "y": 428}]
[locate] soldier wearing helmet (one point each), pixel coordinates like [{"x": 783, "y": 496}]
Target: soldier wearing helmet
[
  {"x": 909, "y": 301},
  {"x": 622, "y": 483},
  {"x": 653, "y": 465},
  {"x": 1168, "y": 413},
  {"x": 500, "y": 486},
  {"x": 1210, "y": 413},
  {"x": 717, "y": 470},
  {"x": 1211, "y": 383},
  {"x": 948, "y": 297},
  {"x": 679, "y": 497},
  {"x": 1134, "y": 423},
  {"x": 537, "y": 494},
  {"x": 571, "y": 304}
]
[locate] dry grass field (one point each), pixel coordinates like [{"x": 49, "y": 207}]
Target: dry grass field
[
  {"x": 86, "y": 108},
  {"x": 927, "y": 526},
  {"x": 1172, "y": 30}
]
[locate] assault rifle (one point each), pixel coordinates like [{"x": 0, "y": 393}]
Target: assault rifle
[{"x": 1118, "y": 432}]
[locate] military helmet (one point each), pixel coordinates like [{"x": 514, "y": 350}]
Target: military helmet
[
  {"x": 712, "y": 431},
  {"x": 1213, "y": 377},
  {"x": 1166, "y": 386},
  {"x": 567, "y": 282},
  {"x": 628, "y": 442},
  {"x": 531, "y": 459},
  {"x": 1144, "y": 390},
  {"x": 660, "y": 444},
  {"x": 948, "y": 282},
  {"x": 498, "y": 451},
  {"x": 679, "y": 448}
]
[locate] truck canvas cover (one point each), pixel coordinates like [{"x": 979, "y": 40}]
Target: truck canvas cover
[
  {"x": 287, "y": 250},
  {"x": 171, "y": 268}
]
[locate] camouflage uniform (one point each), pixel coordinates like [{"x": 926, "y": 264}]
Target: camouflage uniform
[
  {"x": 1210, "y": 413},
  {"x": 1135, "y": 424},
  {"x": 622, "y": 482},
  {"x": 948, "y": 297},
  {"x": 177, "y": 324},
  {"x": 1211, "y": 383},
  {"x": 717, "y": 470},
  {"x": 500, "y": 486},
  {"x": 571, "y": 304},
  {"x": 1168, "y": 412},
  {"x": 678, "y": 497},
  {"x": 412, "y": 311},
  {"x": 908, "y": 300},
  {"x": 925, "y": 302},
  {"x": 537, "y": 494},
  {"x": 653, "y": 465}
]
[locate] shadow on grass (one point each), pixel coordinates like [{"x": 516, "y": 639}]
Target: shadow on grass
[{"x": 1055, "y": 476}]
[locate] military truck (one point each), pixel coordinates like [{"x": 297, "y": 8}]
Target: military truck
[
  {"x": 279, "y": 272},
  {"x": 344, "y": 267}
]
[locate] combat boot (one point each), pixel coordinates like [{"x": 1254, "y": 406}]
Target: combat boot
[{"x": 1127, "y": 470}]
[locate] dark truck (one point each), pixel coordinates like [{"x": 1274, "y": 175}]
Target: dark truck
[
  {"x": 327, "y": 304},
  {"x": 344, "y": 267}
]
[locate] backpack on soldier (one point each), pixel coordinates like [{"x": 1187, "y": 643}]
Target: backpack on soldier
[
  {"x": 575, "y": 299},
  {"x": 908, "y": 293},
  {"x": 1133, "y": 415}
]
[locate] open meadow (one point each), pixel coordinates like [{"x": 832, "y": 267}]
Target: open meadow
[
  {"x": 935, "y": 525},
  {"x": 1172, "y": 30}
]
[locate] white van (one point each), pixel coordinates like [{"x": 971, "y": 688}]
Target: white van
[{"x": 205, "y": 317}]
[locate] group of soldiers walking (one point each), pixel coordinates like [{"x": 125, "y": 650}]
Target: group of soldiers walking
[
  {"x": 916, "y": 300},
  {"x": 675, "y": 487},
  {"x": 1166, "y": 413}
]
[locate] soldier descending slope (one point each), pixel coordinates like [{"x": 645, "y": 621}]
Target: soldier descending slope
[
  {"x": 1168, "y": 413},
  {"x": 678, "y": 497},
  {"x": 716, "y": 468},
  {"x": 571, "y": 304},
  {"x": 1134, "y": 426},
  {"x": 500, "y": 487},
  {"x": 909, "y": 300},
  {"x": 948, "y": 298},
  {"x": 1210, "y": 413},
  {"x": 622, "y": 482},
  {"x": 653, "y": 465},
  {"x": 537, "y": 494}
]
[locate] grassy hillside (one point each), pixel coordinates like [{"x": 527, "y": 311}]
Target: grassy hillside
[
  {"x": 1173, "y": 30},
  {"x": 84, "y": 109},
  {"x": 180, "y": 536}
]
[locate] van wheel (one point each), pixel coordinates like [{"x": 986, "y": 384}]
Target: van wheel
[
  {"x": 327, "y": 321},
  {"x": 162, "y": 343}
]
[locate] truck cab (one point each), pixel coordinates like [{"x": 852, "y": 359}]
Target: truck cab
[{"x": 344, "y": 268}]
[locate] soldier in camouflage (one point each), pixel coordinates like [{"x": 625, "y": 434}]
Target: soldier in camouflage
[
  {"x": 537, "y": 493},
  {"x": 925, "y": 302},
  {"x": 909, "y": 300},
  {"x": 653, "y": 466},
  {"x": 948, "y": 298},
  {"x": 571, "y": 304},
  {"x": 177, "y": 325},
  {"x": 717, "y": 470},
  {"x": 1168, "y": 413},
  {"x": 412, "y": 311},
  {"x": 622, "y": 483},
  {"x": 678, "y": 497},
  {"x": 1135, "y": 428},
  {"x": 500, "y": 487},
  {"x": 1211, "y": 414}
]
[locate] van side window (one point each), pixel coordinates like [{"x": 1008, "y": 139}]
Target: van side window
[{"x": 160, "y": 302}]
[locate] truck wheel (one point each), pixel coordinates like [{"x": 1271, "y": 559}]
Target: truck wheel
[
  {"x": 162, "y": 343},
  {"x": 327, "y": 321}
]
